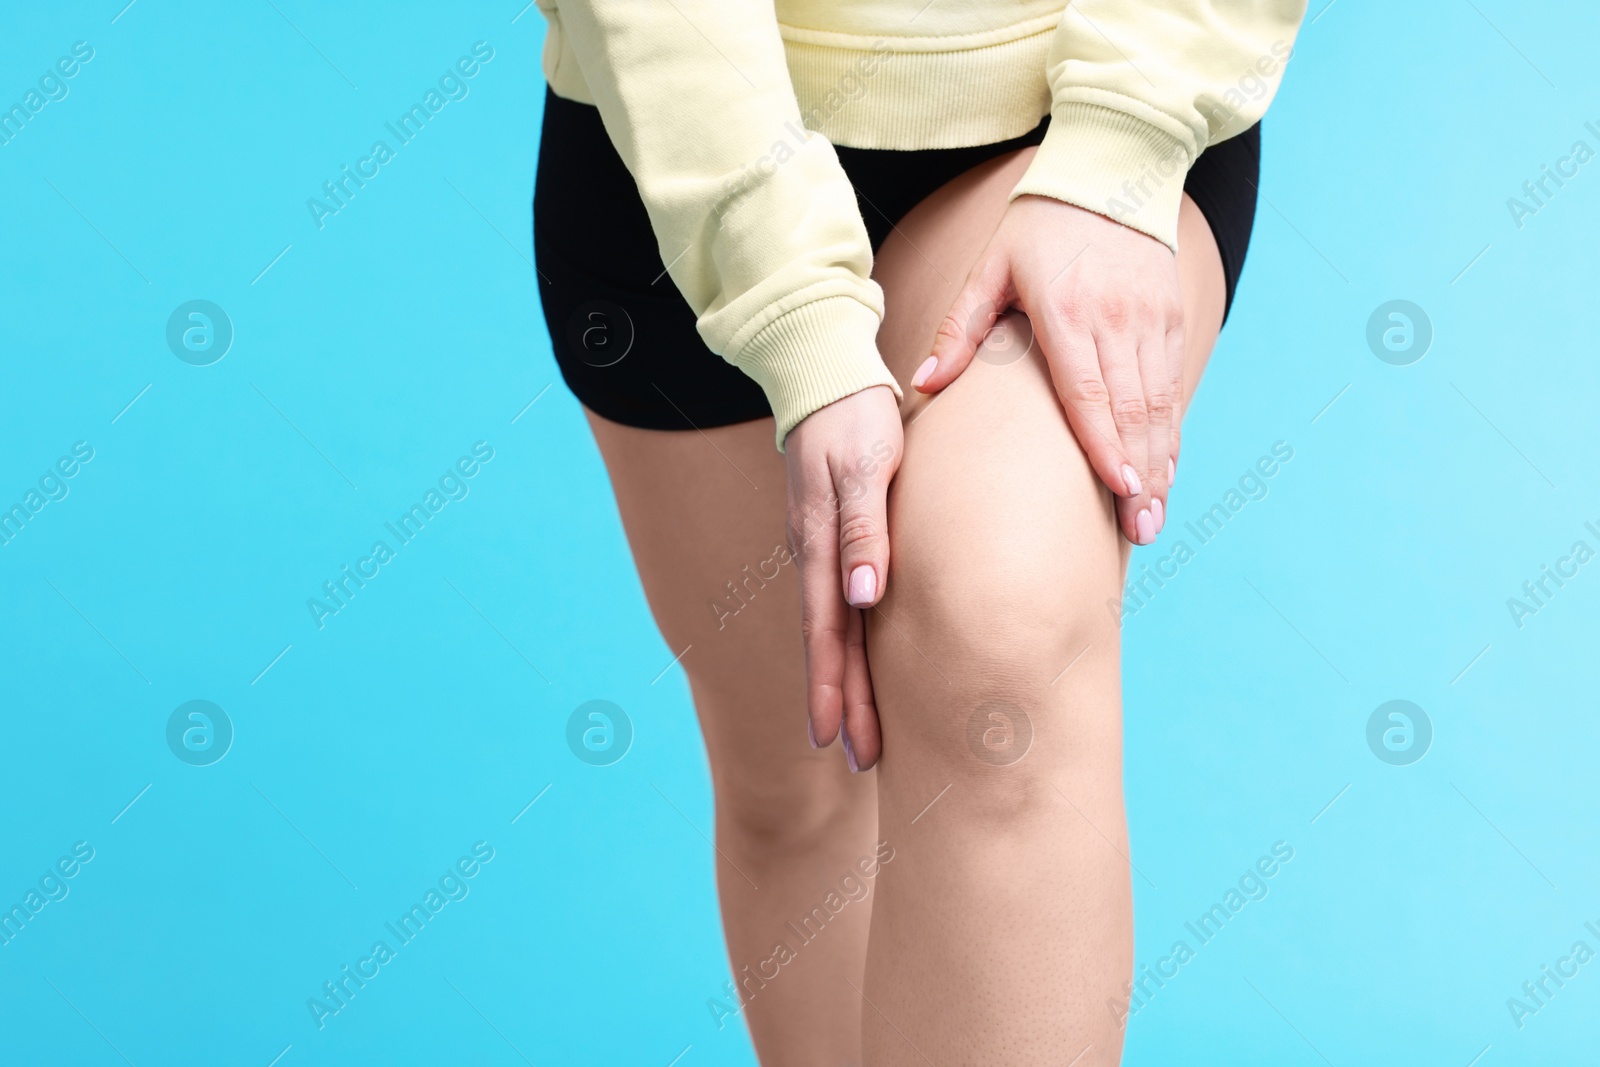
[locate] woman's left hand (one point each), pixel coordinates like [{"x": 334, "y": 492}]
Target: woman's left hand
[{"x": 1104, "y": 304}]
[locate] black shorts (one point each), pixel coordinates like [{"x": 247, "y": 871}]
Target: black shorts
[{"x": 624, "y": 338}]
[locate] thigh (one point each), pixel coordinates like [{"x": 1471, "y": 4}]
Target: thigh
[
  {"x": 704, "y": 514},
  {"x": 1000, "y": 532}
]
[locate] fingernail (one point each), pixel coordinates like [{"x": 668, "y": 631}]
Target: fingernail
[
  {"x": 811, "y": 732},
  {"x": 863, "y": 586},
  {"x": 849, "y": 752},
  {"x": 1130, "y": 479},
  {"x": 1158, "y": 512},
  {"x": 1172, "y": 471},
  {"x": 1144, "y": 527},
  {"x": 924, "y": 372}
]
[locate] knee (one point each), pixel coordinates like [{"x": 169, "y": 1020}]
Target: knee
[
  {"x": 1004, "y": 548},
  {"x": 998, "y": 610},
  {"x": 998, "y": 617},
  {"x": 1005, "y": 682},
  {"x": 996, "y": 660},
  {"x": 792, "y": 807}
]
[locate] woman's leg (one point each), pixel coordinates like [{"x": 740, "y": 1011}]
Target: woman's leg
[
  {"x": 704, "y": 515},
  {"x": 703, "y": 512},
  {"x": 1002, "y": 930}
]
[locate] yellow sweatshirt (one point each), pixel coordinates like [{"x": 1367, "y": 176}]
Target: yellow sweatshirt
[{"x": 726, "y": 113}]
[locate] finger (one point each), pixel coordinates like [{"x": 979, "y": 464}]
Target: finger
[
  {"x": 815, "y": 539},
  {"x": 1175, "y": 347},
  {"x": 1160, "y": 400},
  {"x": 986, "y": 294},
  {"x": 1075, "y": 372},
  {"x": 1119, "y": 365},
  {"x": 1161, "y": 366},
  {"x": 1172, "y": 461},
  {"x": 863, "y": 490},
  {"x": 861, "y": 734}
]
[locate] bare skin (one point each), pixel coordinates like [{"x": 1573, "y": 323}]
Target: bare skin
[{"x": 1003, "y": 922}]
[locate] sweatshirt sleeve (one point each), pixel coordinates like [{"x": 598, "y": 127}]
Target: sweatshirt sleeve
[
  {"x": 754, "y": 217},
  {"x": 1139, "y": 89}
]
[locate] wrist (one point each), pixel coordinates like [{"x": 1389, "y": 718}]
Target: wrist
[
  {"x": 1113, "y": 163},
  {"x": 814, "y": 355}
]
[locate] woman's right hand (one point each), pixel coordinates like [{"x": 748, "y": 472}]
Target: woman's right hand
[{"x": 840, "y": 461}]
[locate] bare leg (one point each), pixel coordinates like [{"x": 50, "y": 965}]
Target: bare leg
[
  {"x": 793, "y": 822},
  {"x": 1003, "y": 926}
]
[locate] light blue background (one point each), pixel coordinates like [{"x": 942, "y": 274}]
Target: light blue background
[{"x": 377, "y": 750}]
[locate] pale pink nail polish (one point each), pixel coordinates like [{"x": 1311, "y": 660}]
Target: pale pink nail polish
[
  {"x": 1158, "y": 512},
  {"x": 811, "y": 732},
  {"x": 863, "y": 586},
  {"x": 1130, "y": 479},
  {"x": 849, "y": 751},
  {"x": 1144, "y": 527},
  {"x": 924, "y": 372}
]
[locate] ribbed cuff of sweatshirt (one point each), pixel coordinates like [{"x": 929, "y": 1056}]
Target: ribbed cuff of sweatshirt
[
  {"x": 1114, "y": 164},
  {"x": 818, "y": 353}
]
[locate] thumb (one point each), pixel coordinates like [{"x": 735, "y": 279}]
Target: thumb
[
  {"x": 985, "y": 296},
  {"x": 864, "y": 531}
]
